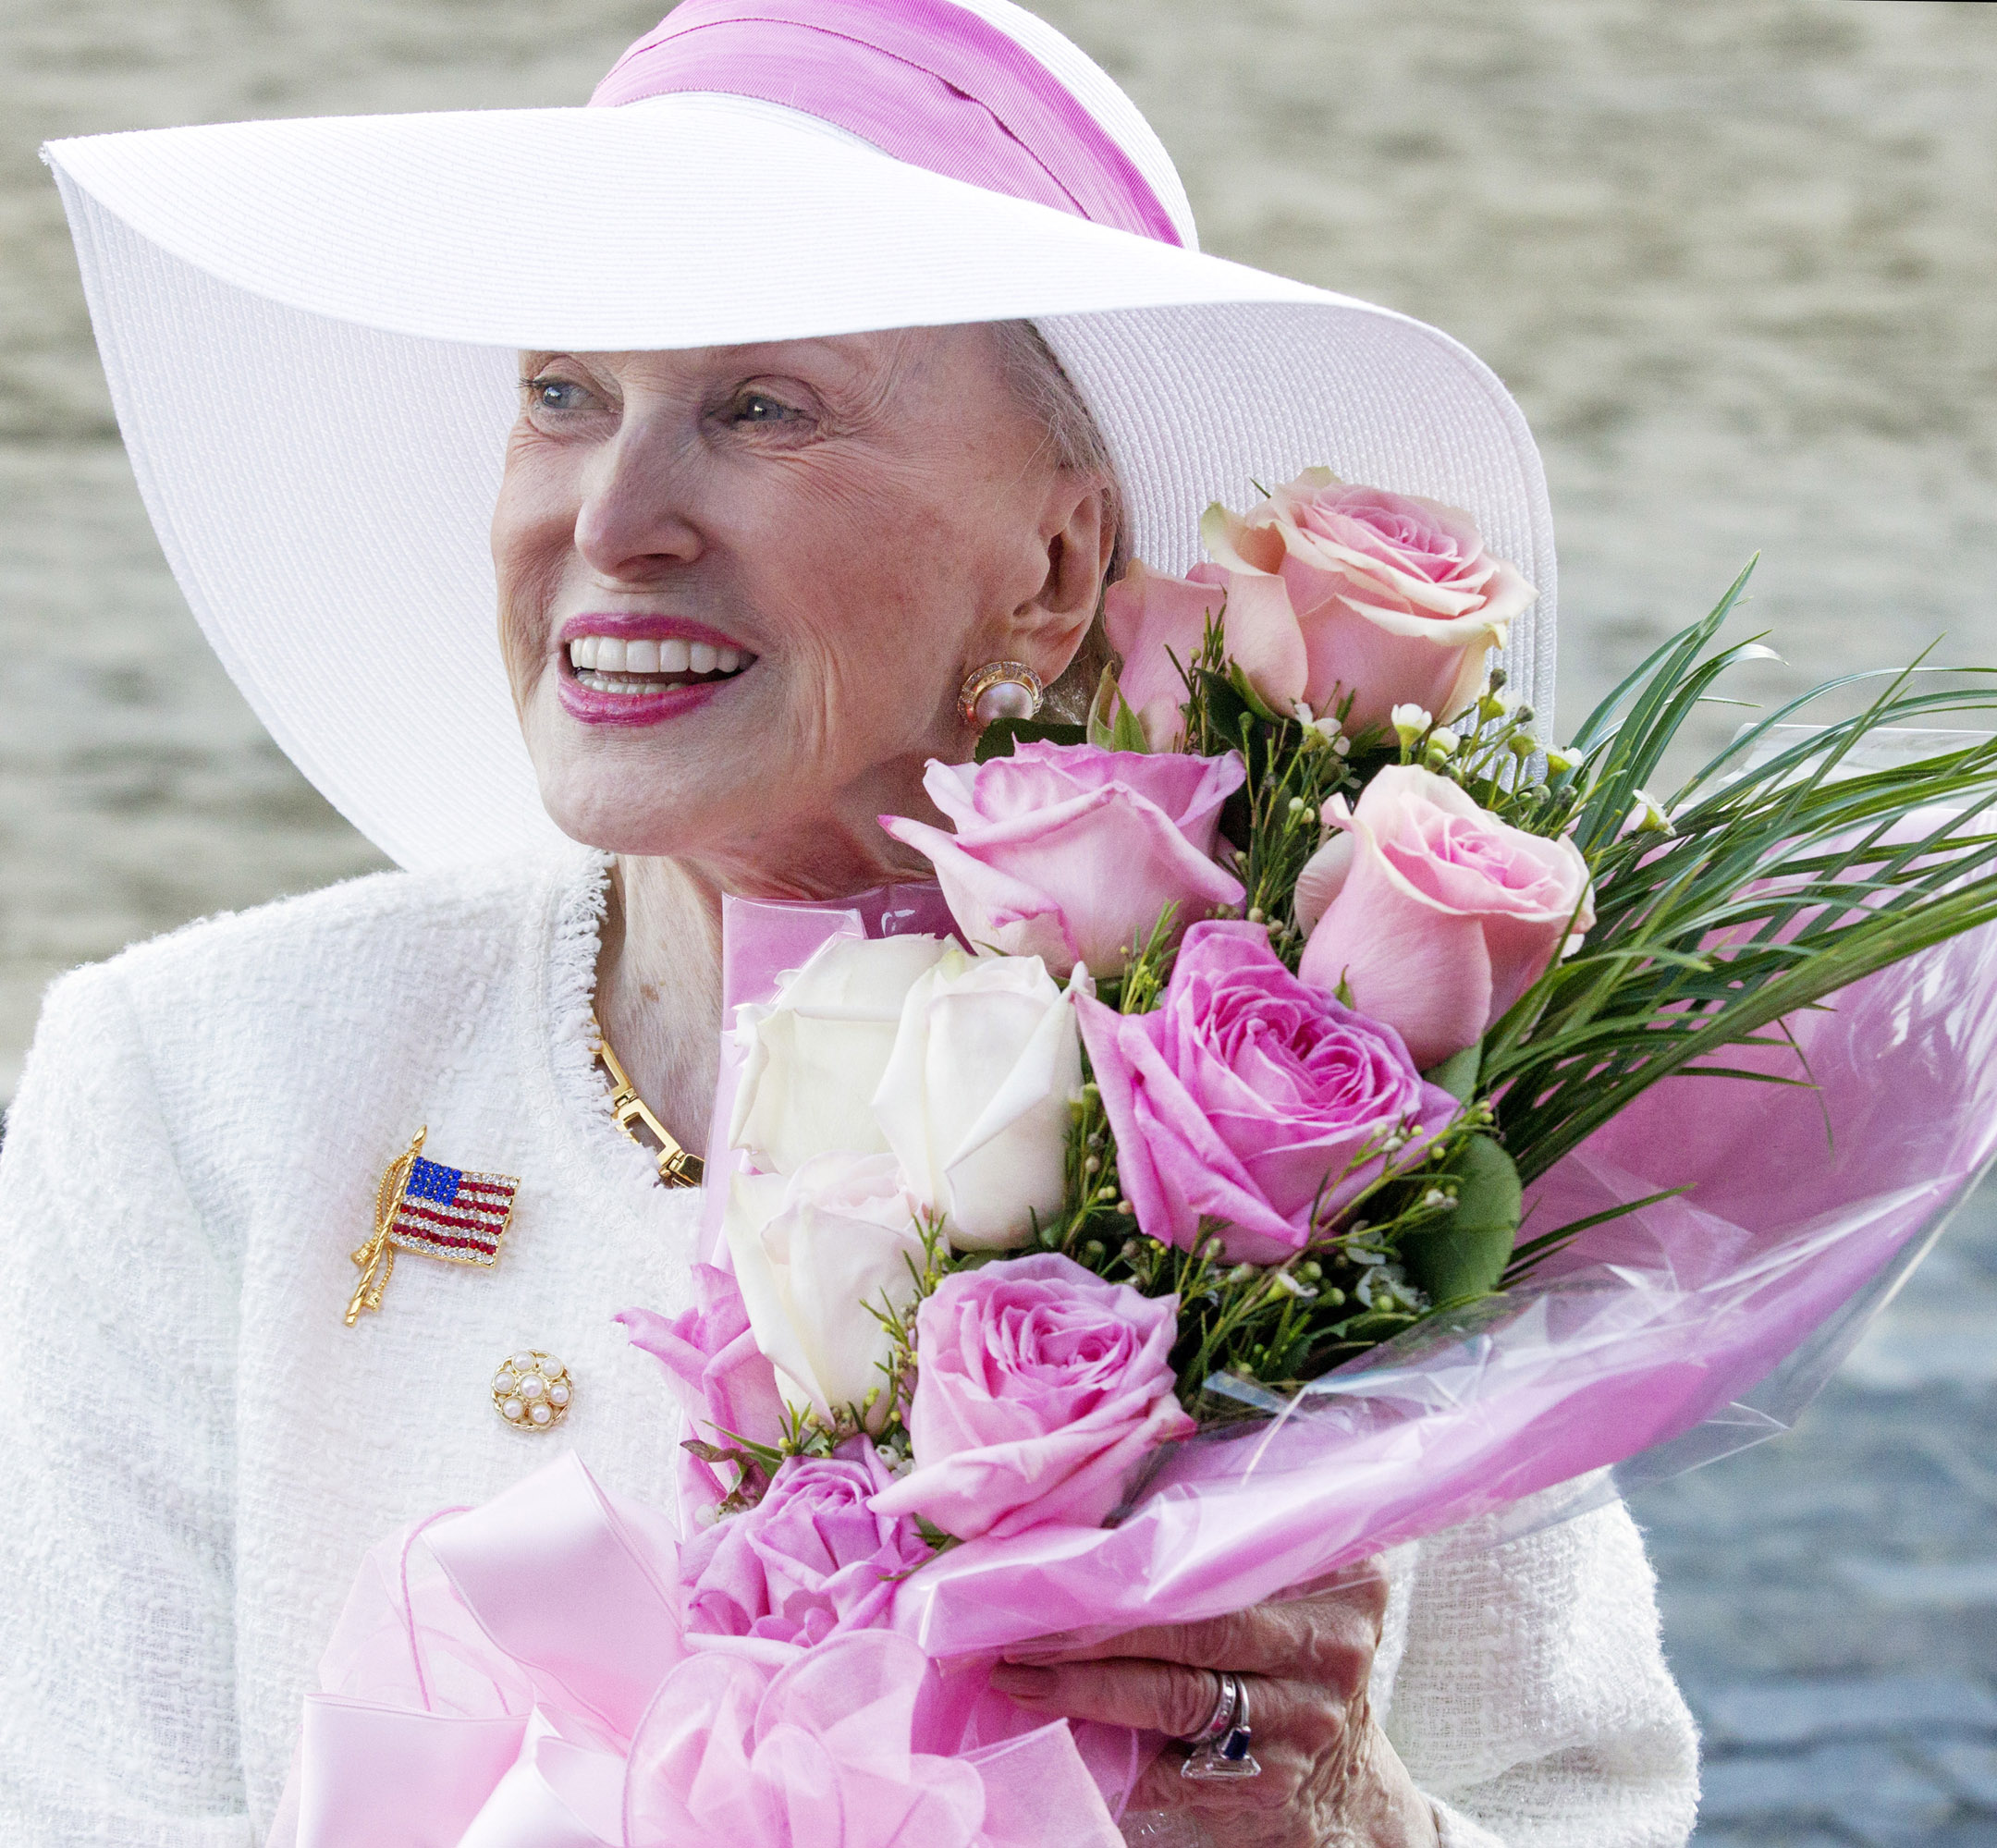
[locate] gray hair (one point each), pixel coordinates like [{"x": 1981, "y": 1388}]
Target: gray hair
[{"x": 1048, "y": 394}]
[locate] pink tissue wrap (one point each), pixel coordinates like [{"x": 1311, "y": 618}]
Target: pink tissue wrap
[
  {"x": 518, "y": 1676},
  {"x": 512, "y": 1675},
  {"x": 1641, "y": 1331}
]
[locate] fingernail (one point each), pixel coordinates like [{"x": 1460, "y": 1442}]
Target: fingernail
[{"x": 1036, "y": 1658}]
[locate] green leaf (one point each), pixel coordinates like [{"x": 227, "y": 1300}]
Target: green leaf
[
  {"x": 1112, "y": 726},
  {"x": 1465, "y": 1255},
  {"x": 1244, "y": 690},
  {"x": 1458, "y": 1074},
  {"x": 1102, "y": 711},
  {"x": 1535, "y": 1252},
  {"x": 1366, "y": 1330},
  {"x": 1129, "y": 732},
  {"x": 998, "y": 738},
  {"x": 1227, "y": 710}
]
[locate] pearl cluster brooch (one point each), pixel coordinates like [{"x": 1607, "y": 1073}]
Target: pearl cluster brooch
[{"x": 532, "y": 1391}]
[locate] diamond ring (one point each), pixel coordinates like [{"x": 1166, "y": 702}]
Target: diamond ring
[{"x": 1221, "y": 1747}]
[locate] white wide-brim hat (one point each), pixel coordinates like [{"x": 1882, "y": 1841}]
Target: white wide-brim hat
[{"x": 310, "y": 329}]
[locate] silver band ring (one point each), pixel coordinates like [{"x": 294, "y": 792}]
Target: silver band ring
[
  {"x": 1227, "y": 1692},
  {"x": 1221, "y": 1747}
]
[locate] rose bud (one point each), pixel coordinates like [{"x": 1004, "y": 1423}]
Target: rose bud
[
  {"x": 1435, "y": 915},
  {"x": 1072, "y": 853},
  {"x": 1397, "y": 600}
]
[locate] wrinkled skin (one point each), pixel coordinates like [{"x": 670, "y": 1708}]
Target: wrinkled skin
[
  {"x": 1331, "y": 1778},
  {"x": 870, "y": 517}
]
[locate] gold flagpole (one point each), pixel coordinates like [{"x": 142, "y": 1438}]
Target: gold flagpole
[{"x": 377, "y": 1257}]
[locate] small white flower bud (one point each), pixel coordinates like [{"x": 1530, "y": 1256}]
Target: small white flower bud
[
  {"x": 1646, "y": 815},
  {"x": 1443, "y": 741},
  {"x": 1409, "y": 722}
]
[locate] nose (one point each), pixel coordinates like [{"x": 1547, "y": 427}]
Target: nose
[{"x": 635, "y": 524}]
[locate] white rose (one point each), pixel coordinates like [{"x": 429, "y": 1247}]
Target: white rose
[
  {"x": 815, "y": 1253},
  {"x": 816, "y": 1052},
  {"x": 974, "y": 1097}
]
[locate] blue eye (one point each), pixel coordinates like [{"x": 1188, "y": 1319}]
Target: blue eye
[
  {"x": 553, "y": 394},
  {"x": 758, "y": 406}
]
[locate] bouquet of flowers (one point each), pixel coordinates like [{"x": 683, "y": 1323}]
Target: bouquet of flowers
[{"x": 1310, "y": 1109}]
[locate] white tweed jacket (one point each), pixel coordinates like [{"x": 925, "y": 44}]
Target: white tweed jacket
[{"x": 199, "y": 1452}]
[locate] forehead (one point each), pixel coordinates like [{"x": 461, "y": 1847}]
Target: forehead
[{"x": 901, "y": 356}]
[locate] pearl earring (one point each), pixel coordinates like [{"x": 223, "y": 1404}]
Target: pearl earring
[{"x": 999, "y": 690}]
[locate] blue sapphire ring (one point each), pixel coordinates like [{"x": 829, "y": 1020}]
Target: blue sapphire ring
[{"x": 1221, "y": 1747}]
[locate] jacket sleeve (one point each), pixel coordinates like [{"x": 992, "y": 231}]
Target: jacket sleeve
[
  {"x": 117, "y": 1323},
  {"x": 1533, "y": 1703}
]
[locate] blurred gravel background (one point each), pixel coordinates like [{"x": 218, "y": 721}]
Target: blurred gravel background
[{"x": 1738, "y": 261}]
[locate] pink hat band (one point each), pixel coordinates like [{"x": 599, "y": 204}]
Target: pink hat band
[{"x": 929, "y": 83}]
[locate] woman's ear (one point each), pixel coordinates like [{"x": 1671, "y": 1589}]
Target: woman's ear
[{"x": 1077, "y": 539}]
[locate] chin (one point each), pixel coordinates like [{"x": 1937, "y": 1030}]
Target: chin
[
  {"x": 621, "y": 819},
  {"x": 610, "y": 808}
]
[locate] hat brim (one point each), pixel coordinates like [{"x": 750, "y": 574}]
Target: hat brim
[{"x": 309, "y": 329}]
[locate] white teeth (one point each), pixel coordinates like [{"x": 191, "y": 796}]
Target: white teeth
[{"x": 599, "y": 660}]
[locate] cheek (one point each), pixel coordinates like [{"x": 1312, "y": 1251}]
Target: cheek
[
  {"x": 533, "y": 544},
  {"x": 883, "y": 584}
]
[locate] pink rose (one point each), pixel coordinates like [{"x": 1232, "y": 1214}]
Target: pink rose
[
  {"x": 1435, "y": 915},
  {"x": 1158, "y": 624},
  {"x": 812, "y": 1557},
  {"x": 1072, "y": 853},
  {"x": 719, "y": 1374},
  {"x": 1395, "y": 598},
  {"x": 1248, "y": 1099},
  {"x": 1039, "y": 1388}
]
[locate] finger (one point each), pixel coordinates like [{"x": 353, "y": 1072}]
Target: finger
[
  {"x": 1326, "y": 1635},
  {"x": 1155, "y": 1697},
  {"x": 1175, "y": 1700},
  {"x": 1340, "y": 1578},
  {"x": 1242, "y": 1640}
]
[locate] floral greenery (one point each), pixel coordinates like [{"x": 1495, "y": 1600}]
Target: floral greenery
[
  {"x": 1769, "y": 888},
  {"x": 1763, "y": 891},
  {"x": 1747, "y": 895}
]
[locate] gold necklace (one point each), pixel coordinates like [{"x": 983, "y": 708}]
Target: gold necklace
[{"x": 676, "y": 1166}]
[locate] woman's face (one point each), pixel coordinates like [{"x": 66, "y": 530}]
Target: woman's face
[{"x": 740, "y": 587}]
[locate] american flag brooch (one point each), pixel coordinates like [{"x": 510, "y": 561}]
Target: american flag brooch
[{"x": 456, "y": 1214}]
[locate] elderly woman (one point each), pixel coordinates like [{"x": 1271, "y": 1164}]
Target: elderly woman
[{"x": 863, "y": 343}]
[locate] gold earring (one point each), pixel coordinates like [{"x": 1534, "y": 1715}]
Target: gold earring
[{"x": 999, "y": 690}]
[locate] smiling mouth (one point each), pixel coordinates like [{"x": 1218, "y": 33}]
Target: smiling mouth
[{"x": 608, "y": 664}]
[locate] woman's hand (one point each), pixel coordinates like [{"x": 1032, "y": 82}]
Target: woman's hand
[{"x": 1330, "y": 1778}]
